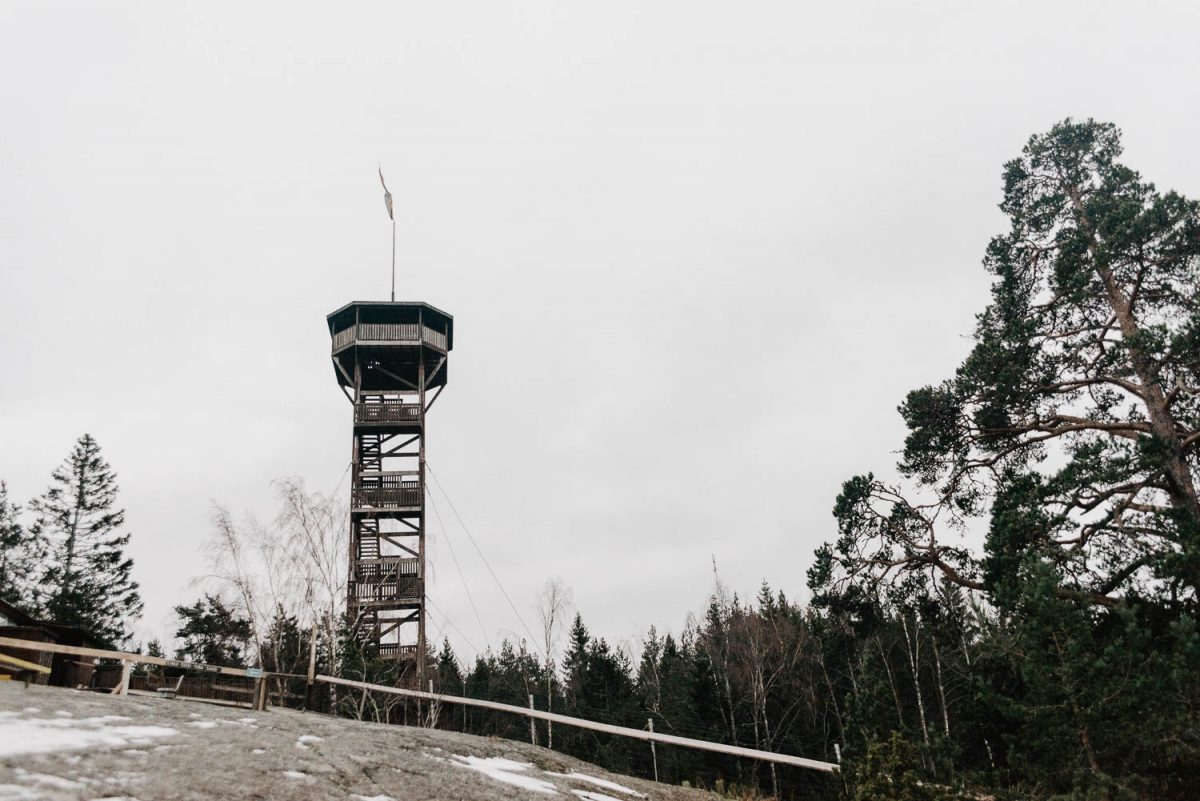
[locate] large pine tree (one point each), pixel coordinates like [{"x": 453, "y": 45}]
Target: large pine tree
[
  {"x": 1072, "y": 434},
  {"x": 85, "y": 578}
]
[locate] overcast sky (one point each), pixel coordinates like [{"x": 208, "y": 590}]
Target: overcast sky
[{"x": 696, "y": 253}]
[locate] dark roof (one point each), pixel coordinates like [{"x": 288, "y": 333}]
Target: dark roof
[
  {"x": 16, "y": 614},
  {"x": 398, "y": 311},
  {"x": 71, "y": 635},
  {"x": 63, "y": 633}
]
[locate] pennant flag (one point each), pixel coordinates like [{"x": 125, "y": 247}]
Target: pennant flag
[{"x": 387, "y": 196}]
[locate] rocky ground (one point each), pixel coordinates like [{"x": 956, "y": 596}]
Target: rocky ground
[{"x": 67, "y": 744}]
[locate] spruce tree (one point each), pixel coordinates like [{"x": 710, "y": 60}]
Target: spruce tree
[
  {"x": 85, "y": 578},
  {"x": 18, "y": 555}
]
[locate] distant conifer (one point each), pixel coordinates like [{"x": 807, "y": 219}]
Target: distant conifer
[{"x": 85, "y": 578}]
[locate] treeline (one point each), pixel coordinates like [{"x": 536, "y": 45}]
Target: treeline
[{"x": 763, "y": 674}]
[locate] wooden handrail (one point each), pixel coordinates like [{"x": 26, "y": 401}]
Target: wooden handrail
[
  {"x": 143, "y": 659},
  {"x": 607, "y": 728}
]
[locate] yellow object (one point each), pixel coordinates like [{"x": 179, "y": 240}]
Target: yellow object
[{"x": 11, "y": 662}]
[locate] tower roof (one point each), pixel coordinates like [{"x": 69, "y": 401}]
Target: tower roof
[{"x": 397, "y": 311}]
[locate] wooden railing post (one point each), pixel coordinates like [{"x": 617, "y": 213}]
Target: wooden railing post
[
  {"x": 532, "y": 730},
  {"x": 653, "y": 753},
  {"x": 122, "y": 687},
  {"x": 260, "y": 694},
  {"x": 310, "y": 684}
]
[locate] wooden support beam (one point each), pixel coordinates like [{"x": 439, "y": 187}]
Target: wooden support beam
[
  {"x": 392, "y": 375},
  {"x": 441, "y": 363},
  {"x": 404, "y": 444},
  {"x": 345, "y": 375},
  {"x": 437, "y": 393}
]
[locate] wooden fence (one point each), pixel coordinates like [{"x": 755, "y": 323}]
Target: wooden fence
[
  {"x": 121, "y": 685},
  {"x": 260, "y": 691}
]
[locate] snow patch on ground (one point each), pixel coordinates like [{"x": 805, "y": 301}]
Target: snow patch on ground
[
  {"x": 51, "y": 735},
  {"x": 247, "y": 720},
  {"x": 259, "y": 751},
  {"x": 504, "y": 770},
  {"x": 15, "y": 792},
  {"x": 371, "y": 797},
  {"x": 303, "y": 740},
  {"x": 204, "y": 724},
  {"x": 587, "y": 795},
  {"x": 56, "y": 782},
  {"x": 605, "y": 783},
  {"x": 295, "y": 774}
]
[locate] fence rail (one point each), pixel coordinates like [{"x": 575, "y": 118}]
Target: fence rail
[
  {"x": 143, "y": 659},
  {"x": 607, "y": 728}
]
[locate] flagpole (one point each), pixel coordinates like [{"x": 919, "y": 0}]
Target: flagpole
[{"x": 387, "y": 200}]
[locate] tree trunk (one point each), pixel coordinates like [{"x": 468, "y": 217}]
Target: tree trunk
[
  {"x": 892, "y": 682},
  {"x": 549, "y": 704},
  {"x": 72, "y": 537},
  {"x": 913, "y": 651},
  {"x": 837, "y": 711},
  {"x": 941, "y": 686}
]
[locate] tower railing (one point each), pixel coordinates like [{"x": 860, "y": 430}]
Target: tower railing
[
  {"x": 404, "y": 590},
  {"x": 399, "y": 489},
  {"x": 387, "y": 412},
  {"x": 368, "y": 568},
  {"x": 388, "y": 332},
  {"x": 391, "y": 650}
]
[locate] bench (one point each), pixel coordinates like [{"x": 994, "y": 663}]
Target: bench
[{"x": 169, "y": 690}]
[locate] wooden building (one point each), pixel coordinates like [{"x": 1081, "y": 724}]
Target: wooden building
[
  {"x": 390, "y": 360},
  {"x": 65, "y": 670}
]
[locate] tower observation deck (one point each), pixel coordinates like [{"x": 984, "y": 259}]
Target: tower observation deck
[{"x": 390, "y": 360}]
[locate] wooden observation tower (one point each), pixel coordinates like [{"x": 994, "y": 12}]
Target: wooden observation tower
[{"x": 390, "y": 360}]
